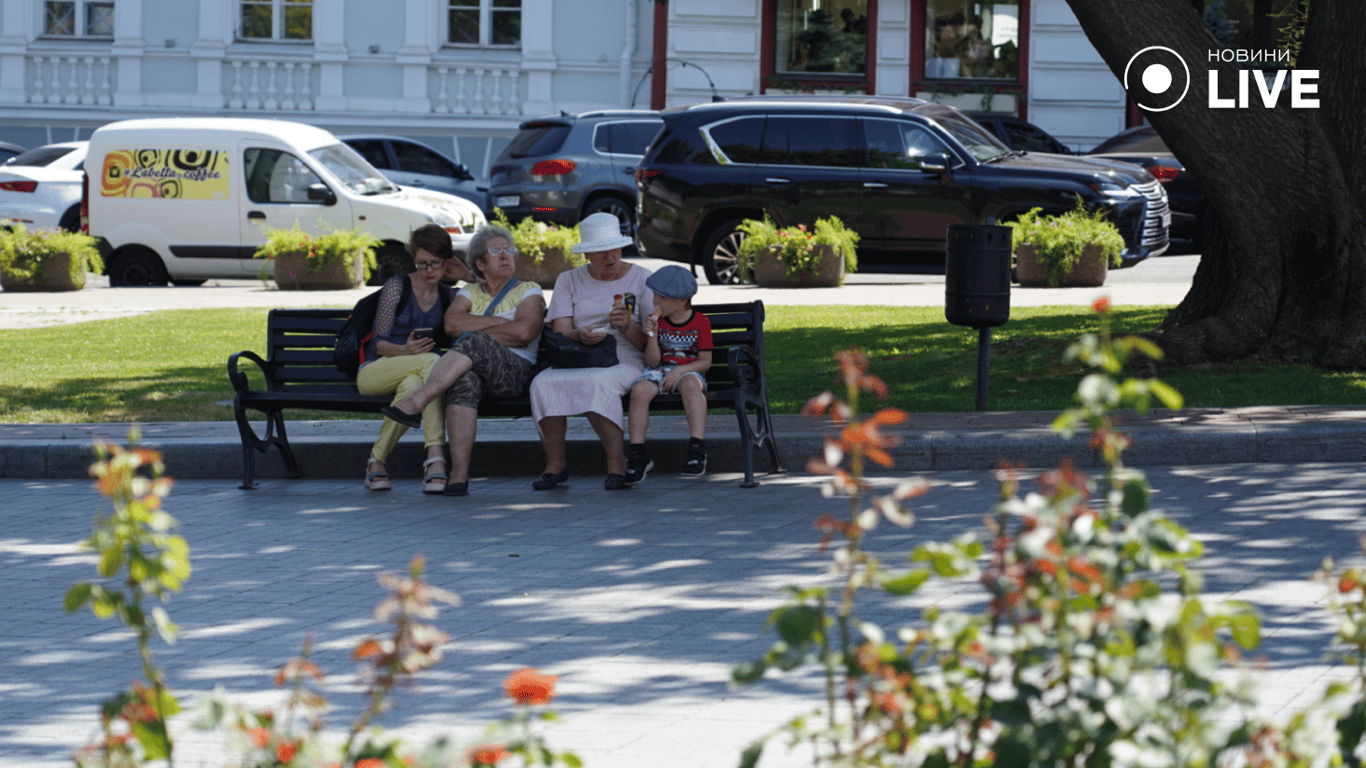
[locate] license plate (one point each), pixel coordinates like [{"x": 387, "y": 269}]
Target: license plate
[{"x": 507, "y": 201}]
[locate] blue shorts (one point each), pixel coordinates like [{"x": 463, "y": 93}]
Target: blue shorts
[{"x": 656, "y": 375}]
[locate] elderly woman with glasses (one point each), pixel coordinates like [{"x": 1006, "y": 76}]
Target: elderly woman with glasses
[
  {"x": 401, "y": 351},
  {"x": 496, "y": 322}
]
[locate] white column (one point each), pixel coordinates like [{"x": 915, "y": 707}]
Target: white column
[
  {"x": 538, "y": 55},
  {"x": 18, "y": 32},
  {"x": 894, "y": 30},
  {"x": 208, "y": 51},
  {"x": 419, "y": 40},
  {"x": 329, "y": 50},
  {"x": 127, "y": 52}
]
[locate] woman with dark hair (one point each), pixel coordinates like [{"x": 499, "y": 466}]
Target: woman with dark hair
[
  {"x": 496, "y": 322},
  {"x": 400, "y": 354}
]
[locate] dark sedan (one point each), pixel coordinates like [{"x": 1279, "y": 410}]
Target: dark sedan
[
  {"x": 1020, "y": 134},
  {"x": 1142, "y": 146}
]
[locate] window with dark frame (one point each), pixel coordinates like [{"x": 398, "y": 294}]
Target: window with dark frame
[
  {"x": 967, "y": 40},
  {"x": 821, "y": 37}
]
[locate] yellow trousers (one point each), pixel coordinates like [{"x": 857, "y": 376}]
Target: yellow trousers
[{"x": 402, "y": 375}]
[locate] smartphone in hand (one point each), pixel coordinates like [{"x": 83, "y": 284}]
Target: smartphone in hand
[{"x": 423, "y": 333}]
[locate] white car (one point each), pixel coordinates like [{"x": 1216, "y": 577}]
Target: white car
[{"x": 41, "y": 189}]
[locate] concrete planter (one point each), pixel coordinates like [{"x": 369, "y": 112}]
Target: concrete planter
[
  {"x": 55, "y": 276},
  {"x": 291, "y": 274},
  {"x": 1089, "y": 271},
  {"x": 544, "y": 273},
  {"x": 770, "y": 271}
]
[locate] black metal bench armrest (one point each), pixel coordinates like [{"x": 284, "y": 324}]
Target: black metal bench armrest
[
  {"x": 752, "y": 383},
  {"x": 239, "y": 379}
]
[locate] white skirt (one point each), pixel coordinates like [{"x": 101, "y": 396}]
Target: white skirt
[{"x": 572, "y": 391}]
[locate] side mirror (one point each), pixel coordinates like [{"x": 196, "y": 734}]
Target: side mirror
[
  {"x": 935, "y": 162},
  {"x": 322, "y": 193},
  {"x": 462, "y": 173}
]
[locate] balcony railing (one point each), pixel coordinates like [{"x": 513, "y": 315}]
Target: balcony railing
[
  {"x": 270, "y": 84},
  {"x": 70, "y": 79}
]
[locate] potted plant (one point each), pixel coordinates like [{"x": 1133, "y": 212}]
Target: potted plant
[
  {"x": 1074, "y": 249},
  {"x": 543, "y": 249},
  {"x": 797, "y": 256},
  {"x": 46, "y": 259},
  {"x": 339, "y": 259}
]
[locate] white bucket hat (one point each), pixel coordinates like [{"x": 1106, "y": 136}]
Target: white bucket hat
[{"x": 600, "y": 232}]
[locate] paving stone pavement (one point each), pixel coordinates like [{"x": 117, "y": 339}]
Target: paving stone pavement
[{"x": 640, "y": 601}]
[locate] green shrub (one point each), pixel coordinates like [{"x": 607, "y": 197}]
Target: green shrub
[
  {"x": 537, "y": 239},
  {"x": 23, "y": 253},
  {"x": 1059, "y": 240},
  {"x": 322, "y": 250},
  {"x": 798, "y": 245}
]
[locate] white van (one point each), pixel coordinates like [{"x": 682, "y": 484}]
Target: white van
[{"x": 187, "y": 199}]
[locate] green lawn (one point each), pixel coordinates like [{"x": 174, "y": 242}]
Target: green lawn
[{"x": 170, "y": 366}]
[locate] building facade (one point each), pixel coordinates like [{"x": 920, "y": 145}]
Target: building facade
[{"x": 461, "y": 74}]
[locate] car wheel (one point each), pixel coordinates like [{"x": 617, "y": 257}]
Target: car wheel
[
  {"x": 720, "y": 256},
  {"x": 392, "y": 260},
  {"x": 617, "y": 208},
  {"x": 137, "y": 268},
  {"x": 71, "y": 220}
]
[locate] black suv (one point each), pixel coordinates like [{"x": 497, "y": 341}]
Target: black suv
[
  {"x": 564, "y": 167},
  {"x": 896, "y": 170}
]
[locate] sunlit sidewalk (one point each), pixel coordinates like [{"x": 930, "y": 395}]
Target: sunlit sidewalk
[{"x": 640, "y": 601}]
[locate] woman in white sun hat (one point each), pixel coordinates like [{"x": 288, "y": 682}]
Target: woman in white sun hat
[{"x": 588, "y": 303}]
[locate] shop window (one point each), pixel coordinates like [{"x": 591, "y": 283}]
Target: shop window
[
  {"x": 1262, "y": 25},
  {"x": 821, "y": 36},
  {"x": 971, "y": 40}
]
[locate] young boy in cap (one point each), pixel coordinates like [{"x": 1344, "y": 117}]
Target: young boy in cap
[{"x": 677, "y": 351}]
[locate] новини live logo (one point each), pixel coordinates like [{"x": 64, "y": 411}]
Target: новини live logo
[{"x": 1150, "y": 78}]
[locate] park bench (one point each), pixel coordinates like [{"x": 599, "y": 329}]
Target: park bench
[{"x": 298, "y": 372}]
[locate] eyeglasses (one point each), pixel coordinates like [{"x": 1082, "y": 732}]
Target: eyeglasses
[
  {"x": 509, "y": 251},
  {"x": 430, "y": 265}
]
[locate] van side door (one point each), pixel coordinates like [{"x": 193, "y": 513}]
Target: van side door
[{"x": 278, "y": 196}]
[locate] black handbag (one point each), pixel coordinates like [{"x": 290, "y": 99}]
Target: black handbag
[{"x": 560, "y": 351}]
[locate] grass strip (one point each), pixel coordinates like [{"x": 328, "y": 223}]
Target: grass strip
[{"x": 170, "y": 366}]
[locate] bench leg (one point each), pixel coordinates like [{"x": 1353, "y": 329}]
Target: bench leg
[
  {"x": 251, "y": 444},
  {"x": 751, "y": 438}
]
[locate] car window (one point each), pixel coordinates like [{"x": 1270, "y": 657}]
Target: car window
[
  {"x": 736, "y": 141},
  {"x": 537, "y": 139},
  {"x": 625, "y": 137},
  {"x": 685, "y": 147},
  {"x": 41, "y": 156},
  {"x": 820, "y": 141},
  {"x": 980, "y": 142},
  {"x": 1031, "y": 139},
  {"x": 897, "y": 144},
  {"x": 351, "y": 169},
  {"x": 415, "y": 158},
  {"x": 276, "y": 176},
  {"x": 372, "y": 150}
]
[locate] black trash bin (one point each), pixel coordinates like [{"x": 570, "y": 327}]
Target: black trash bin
[{"x": 977, "y": 275}]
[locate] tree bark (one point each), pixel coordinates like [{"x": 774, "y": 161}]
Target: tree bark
[{"x": 1282, "y": 274}]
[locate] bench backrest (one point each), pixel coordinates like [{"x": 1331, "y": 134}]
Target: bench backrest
[{"x": 300, "y": 345}]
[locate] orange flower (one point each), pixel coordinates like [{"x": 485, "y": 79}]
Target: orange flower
[
  {"x": 487, "y": 754},
  {"x": 528, "y": 687},
  {"x": 370, "y": 762},
  {"x": 1101, "y": 305},
  {"x": 259, "y": 736},
  {"x": 285, "y": 752}
]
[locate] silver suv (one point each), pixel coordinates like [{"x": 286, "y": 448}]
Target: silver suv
[{"x": 562, "y": 168}]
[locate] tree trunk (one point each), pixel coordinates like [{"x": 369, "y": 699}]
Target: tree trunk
[{"x": 1282, "y": 273}]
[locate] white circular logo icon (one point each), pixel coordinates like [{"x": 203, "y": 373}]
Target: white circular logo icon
[{"x": 1154, "y": 88}]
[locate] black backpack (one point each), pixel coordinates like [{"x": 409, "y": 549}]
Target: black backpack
[{"x": 356, "y": 332}]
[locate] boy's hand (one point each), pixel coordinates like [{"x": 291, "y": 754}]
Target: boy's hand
[
  {"x": 651, "y": 324},
  {"x": 671, "y": 379}
]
